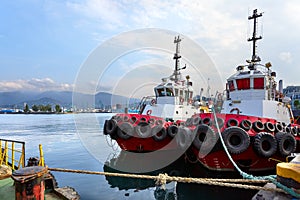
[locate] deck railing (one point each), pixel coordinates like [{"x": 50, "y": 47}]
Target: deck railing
[{"x": 12, "y": 153}]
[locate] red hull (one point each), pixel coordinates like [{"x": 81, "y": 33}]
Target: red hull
[
  {"x": 215, "y": 159},
  {"x": 249, "y": 159}
]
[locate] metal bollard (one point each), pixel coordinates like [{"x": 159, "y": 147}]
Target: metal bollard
[{"x": 29, "y": 183}]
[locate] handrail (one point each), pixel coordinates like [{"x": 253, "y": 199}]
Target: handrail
[{"x": 10, "y": 151}]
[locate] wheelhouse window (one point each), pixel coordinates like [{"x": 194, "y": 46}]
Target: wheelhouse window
[
  {"x": 161, "y": 92},
  {"x": 243, "y": 84},
  {"x": 169, "y": 92},
  {"x": 259, "y": 83},
  {"x": 230, "y": 86}
]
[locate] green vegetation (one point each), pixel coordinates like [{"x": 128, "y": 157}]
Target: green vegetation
[
  {"x": 42, "y": 108},
  {"x": 297, "y": 104},
  {"x": 26, "y": 109},
  {"x": 57, "y": 108}
]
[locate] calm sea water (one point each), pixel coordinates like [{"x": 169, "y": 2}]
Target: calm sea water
[{"x": 65, "y": 145}]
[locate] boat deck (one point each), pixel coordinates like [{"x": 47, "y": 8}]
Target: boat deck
[{"x": 7, "y": 191}]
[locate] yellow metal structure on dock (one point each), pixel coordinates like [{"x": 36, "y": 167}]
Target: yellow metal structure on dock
[
  {"x": 12, "y": 153},
  {"x": 289, "y": 173}
]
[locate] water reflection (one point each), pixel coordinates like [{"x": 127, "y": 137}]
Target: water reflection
[{"x": 173, "y": 190}]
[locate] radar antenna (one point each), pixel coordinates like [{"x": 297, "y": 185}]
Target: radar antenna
[{"x": 254, "y": 38}]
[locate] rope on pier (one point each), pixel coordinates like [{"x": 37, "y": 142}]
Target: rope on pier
[{"x": 162, "y": 179}]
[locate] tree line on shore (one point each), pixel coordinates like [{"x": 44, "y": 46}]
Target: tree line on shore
[{"x": 42, "y": 108}]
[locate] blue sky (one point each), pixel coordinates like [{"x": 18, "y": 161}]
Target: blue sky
[{"x": 44, "y": 43}]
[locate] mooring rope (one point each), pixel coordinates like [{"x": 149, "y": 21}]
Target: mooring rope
[
  {"x": 162, "y": 179},
  {"x": 271, "y": 178}
]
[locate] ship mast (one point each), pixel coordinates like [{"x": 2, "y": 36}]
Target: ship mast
[
  {"x": 254, "y": 38},
  {"x": 176, "y": 57}
]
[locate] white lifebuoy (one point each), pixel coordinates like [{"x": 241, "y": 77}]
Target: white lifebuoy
[{"x": 149, "y": 112}]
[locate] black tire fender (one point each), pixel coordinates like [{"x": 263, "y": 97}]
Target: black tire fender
[
  {"x": 172, "y": 130},
  {"x": 294, "y": 131},
  {"x": 159, "y": 133},
  {"x": 143, "y": 130},
  {"x": 236, "y": 139},
  {"x": 205, "y": 138},
  {"x": 269, "y": 127},
  {"x": 125, "y": 130},
  {"x": 258, "y": 126},
  {"x": 278, "y": 127},
  {"x": 220, "y": 122},
  {"x": 110, "y": 127},
  {"x": 246, "y": 124},
  {"x": 207, "y": 121},
  {"x": 189, "y": 122},
  {"x": 286, "y": 143},
  {"x": 265, "y": 144},
  {"x": 196, "y": 121},
  {"x": 183, "y": 137},
  {"x": 232, "y": 122}
]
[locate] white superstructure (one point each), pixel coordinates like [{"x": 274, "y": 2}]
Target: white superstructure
[
  {"x": 252, "y": 89},
  {"x": 174, "y": 96}
]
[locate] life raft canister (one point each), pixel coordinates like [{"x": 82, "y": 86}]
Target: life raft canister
[
  {"x": 265, "y": 144},
  {"x": 236, "y": 139}
]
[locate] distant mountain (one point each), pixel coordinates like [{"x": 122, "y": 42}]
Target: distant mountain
[{"x": 17, "y": 99}]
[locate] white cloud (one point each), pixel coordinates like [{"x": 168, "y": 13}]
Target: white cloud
[
  {"x": 286, "y": 57},
  {"x": 35, "y": 84}
]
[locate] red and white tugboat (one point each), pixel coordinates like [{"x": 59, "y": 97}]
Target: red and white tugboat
[
  {"x": 256, "y": 122},
  {"x": 159, "y": 118}
]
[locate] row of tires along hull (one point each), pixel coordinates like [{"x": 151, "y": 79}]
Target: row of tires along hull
[{"x": 201, "y": 132}]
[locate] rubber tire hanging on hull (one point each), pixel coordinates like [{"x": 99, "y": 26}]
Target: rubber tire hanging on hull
[
  {"x": 183, "y": 137},
  {"x": 207, "y": 121},
  {"x": 269, "y": 127},
  {"x": 278, "y": 127},
  {"x": 205, "y": 138},
  {"x": 236, "y": 139},
  {"x": 232, "y": 122},
  {"x": 143, "y": 130},
  {"x": 159, "y": 133},
  {"x": 246, "y": 124},
  {"x": 110, "y": 127},
  {"x": 258, "y": 126},
  {"x": 172, "y": 130},
  {"x": 125, "y": 130},
  {"x": 265, "y": 144},
  {"x": 189, "y": 122},
  {"x": 220, "y": 122},
  {"x": 196, "y": 121},
  {"x": 286, "y": 143}
]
